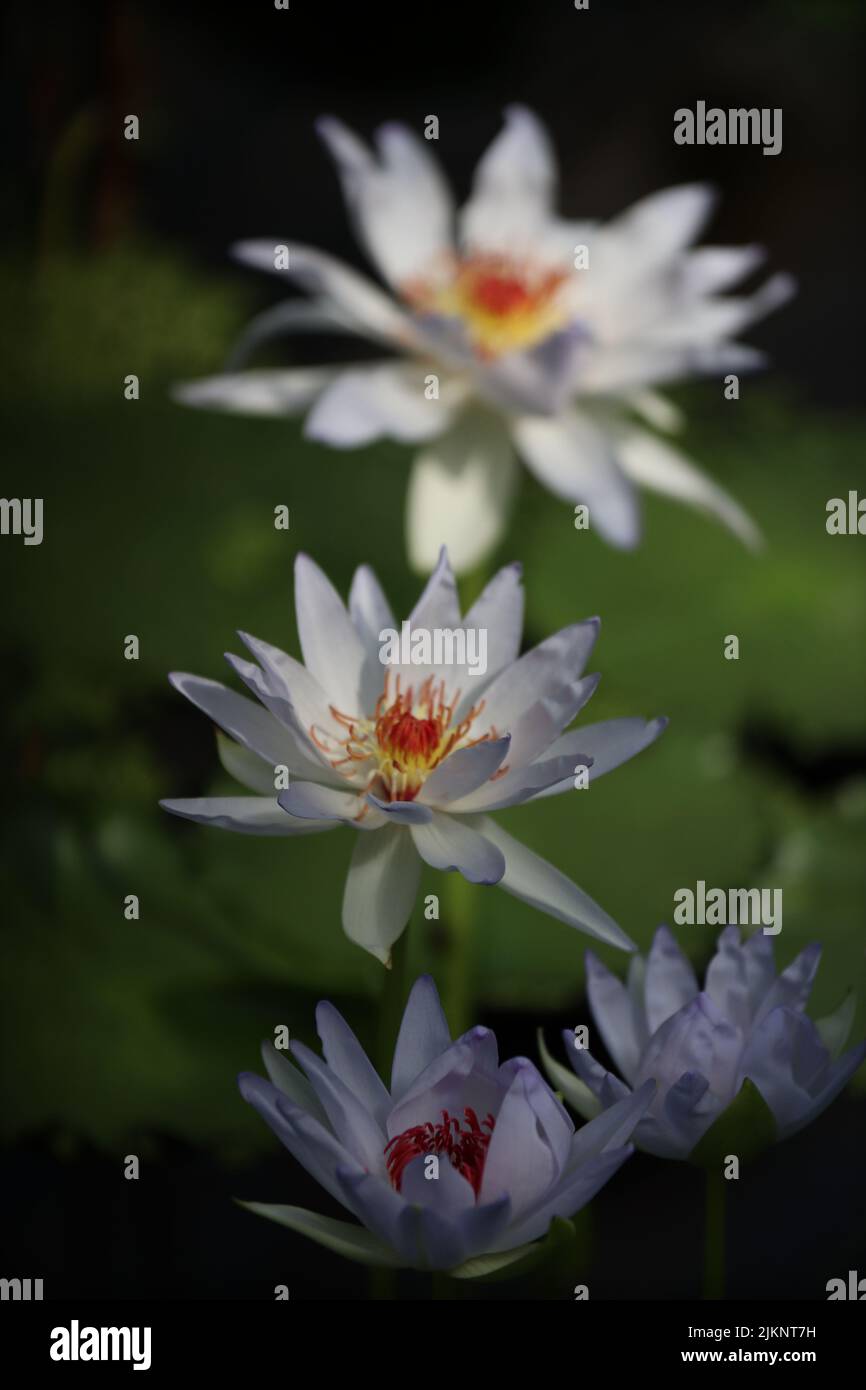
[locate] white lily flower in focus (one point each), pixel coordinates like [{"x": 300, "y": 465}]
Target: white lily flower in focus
[
  {"x": 415, "y": 756},
  {"x": 517, "y": 334}
]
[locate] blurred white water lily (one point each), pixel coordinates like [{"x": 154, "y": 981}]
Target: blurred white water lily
[
  {"x": 700, "y": 1046},
  {"x": 460, "y": 1160},
  {"x": 520, "y": 335},
  {"x": 413, "y": 757}
]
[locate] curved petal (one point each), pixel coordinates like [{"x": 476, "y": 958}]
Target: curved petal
[
  {"x": 529, "y": 1145},
  {"x": 311, "y": 802},
  {"x": 513, "y": 189},
  {"x": 352, "y": 1122},
  {"x": 447, "y": 843},
  {"x": 307, "y": 1139},
  {"x": 401, "y": 204},
  {"x": 387, "y": 400},
  {"x": 246, "y": 722},
  {"x": 247, "y": 815},
  {"x": 371, "y": 614},
  {"x": 659, "y": 226},
  {"x": 354, "y": 297},
  {"x": 529, "y": 877},
  {"x": 617, "y": 1017},
  {"x": 577, "y": 462},
  {"x": 670, "y": 981},
  {"x": 652, "y": 463},
  {"x": 464, "y": 771},
  {"x": 350, "y": 1063},
  {"x": 246, "y": 767},
  {"x": 549, "y": 671},
  {"x": 291, "y": 316},
  {"x": 401, "y": 812},
  {"x": 423, "y": 1036},
  {"x": 332, "y": 649},
  {"x": 266, "y": 391},
  {"x": 460, "y": 493},
  {"x": 607, "y": 744},
  {"x": 498, "y": 611},
  {"x": 380, "y": 890}
]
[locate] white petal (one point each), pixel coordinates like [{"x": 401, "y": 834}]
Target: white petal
[
  {"x": 498, "y": 610},
  {"x": 291, "y": 316},
  {"x": 657, "y": 410},
  {"x": 354, "y": 297},
  {"x": 609, "y": 744},
  {"x": 462, "y": 772},
  {"x": 247, "y": 815},
  {"x": 460, "y": 493},
  {"x": 246, "y": 767},
  {"x": 401, "y": 206},
  {"x": 439, "y": 603},
  {"x": 380, "y": 890},
  {"x": 652, "y": 463},
  {"x": 710, "y": 269},
  {"x": 712, "y": 319},
  {"x": 447, "y": 843},
  {"x": 367, "y": 403},
  {"x": 332, "y": 648},
  {"x": 513, "y": 188},
  {"x": 251, "y": 725},
  {"x": 662, "y": 224},
  {"x": 267, "y": 391},
  {"x": 308, "y": 801},
  {"x": 577, "y": 462},
  {"x": 529, "y": 877},
  {"x": 549, "y": 672}
]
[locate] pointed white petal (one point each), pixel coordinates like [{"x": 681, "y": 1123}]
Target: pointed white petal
[
  {"x": 529, "y": 877},
  {"x": 577, "y": 461},
  {"x": 380, "y": 889},
  {"x": 266, "y": 391},
  {"x": 652, "y": 463}
]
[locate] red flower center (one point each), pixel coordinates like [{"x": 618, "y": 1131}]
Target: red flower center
[{"x": 464, "y": 1143}]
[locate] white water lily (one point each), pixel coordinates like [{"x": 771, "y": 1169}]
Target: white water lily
[
  {"x": 509, "y": 344},
  {"x": 413, "y": 757}
]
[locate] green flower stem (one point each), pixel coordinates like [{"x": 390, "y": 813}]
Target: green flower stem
[
  {"x": 393, "y": 1003},
  {"x": 714, "y": 1235},
  {"x": 459, "y": 968}
]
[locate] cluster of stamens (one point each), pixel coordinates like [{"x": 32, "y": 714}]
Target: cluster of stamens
[
  {"x": 406, "y": 739},
  {"x": 463, "y": 1142},
  {"x": 506, "y": 302}
]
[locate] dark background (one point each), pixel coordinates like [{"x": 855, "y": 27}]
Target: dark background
[{"x": 115, "y": 261}]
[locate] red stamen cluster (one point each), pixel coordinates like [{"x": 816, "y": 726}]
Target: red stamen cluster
[{"x": 466, "y": 1148}]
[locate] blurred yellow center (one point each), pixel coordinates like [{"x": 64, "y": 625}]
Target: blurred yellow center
[{"x": 505, "y": 303}]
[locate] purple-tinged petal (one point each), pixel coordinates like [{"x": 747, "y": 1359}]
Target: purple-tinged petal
[
  {"x": 670, "y": 980},
  {"x": 423, "y": 1036},
  {"x": 447, "y": 843},
  {"x": 350, "y": 1063}
]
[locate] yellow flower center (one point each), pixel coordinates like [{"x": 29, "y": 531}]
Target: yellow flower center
[
  {"x": 505, "y": 303},
  {"x": 403, "y": 741}
]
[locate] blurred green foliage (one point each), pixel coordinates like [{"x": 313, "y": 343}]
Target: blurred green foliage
[{"x": 159, "y": 522}]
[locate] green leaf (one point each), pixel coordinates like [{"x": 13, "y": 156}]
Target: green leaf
[
  {"x": 353, "y": 1242},
  {"x": 575, "y": 1091}
]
